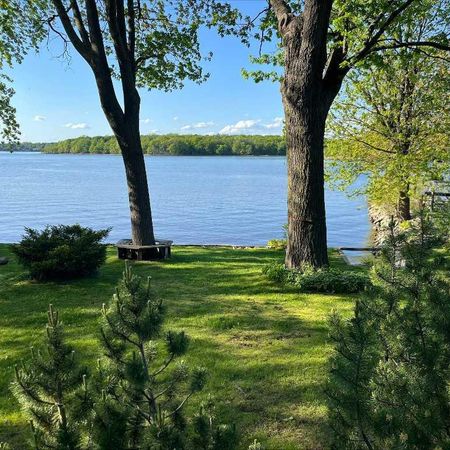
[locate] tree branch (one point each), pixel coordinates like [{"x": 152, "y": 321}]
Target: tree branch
[
  {"x": 64, "y": 39},
  {"x": 372, "y": 40},
  {"x": 117, "y": 27},
  {"x": 131, "y": 27},
  {"x": 79, "y": 22},
  {"x": 374, "y": 147},
  {"x": 79, "y": 45},
  {"x": 120, "y": 18},
  {"x": 280, "y": 8},
  {"x": 102, "y": 72},
  {"x": 116, "y": 24},
  {"x": 431, "y": 44},
  {"x": 333, "y": 71},
  {"x": 180, "y": 406},
  {"x": 164, "y": 366},
  {"x": 95, "y": 32}
]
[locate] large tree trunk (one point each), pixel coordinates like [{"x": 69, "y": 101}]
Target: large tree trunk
[
  {"x": 307, "y": 234},
  {"x": 306, "y": 102},
  {"x": 133, "y": 157},
  {"x": 129, "y": 139}
]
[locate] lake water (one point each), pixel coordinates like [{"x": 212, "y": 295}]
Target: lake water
[{"x": 195, "y": 200}]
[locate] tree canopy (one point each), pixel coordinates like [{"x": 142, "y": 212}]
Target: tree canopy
[
  {"x": 359, "y": 32},
  {"x": 156, "y": 41},
  {"x": 391, "y": 121},
  {"x": 150, "y": 44}
]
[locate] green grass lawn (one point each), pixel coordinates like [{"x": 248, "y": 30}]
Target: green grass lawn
[{"x": 265, "y": 346}]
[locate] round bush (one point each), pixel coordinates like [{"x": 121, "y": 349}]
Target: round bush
[{"x": 61, "y": 252}]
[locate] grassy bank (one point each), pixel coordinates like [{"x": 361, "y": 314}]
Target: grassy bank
[{"x": 265, "y": 346}]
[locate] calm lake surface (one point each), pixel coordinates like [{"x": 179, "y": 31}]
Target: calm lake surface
[{"x": 195, "y": 200}]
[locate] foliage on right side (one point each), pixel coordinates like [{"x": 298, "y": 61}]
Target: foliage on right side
[
  {"x": 391, "y": 123},
  {"x": 390, "y": 373}
]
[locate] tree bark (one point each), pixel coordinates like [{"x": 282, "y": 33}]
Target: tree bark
[
  {"x": 404, "y": 206},
  {"x": 307, "y": 235},
  {"x": 138, "y": 194},
  {"x": 306, "y": 100}
]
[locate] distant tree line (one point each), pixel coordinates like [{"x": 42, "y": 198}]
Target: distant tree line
[
  {"x": 174, "y": 144},
  {"x": 22, "y": 147}
]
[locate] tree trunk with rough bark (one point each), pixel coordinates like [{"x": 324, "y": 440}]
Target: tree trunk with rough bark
[
  {"x": 138, "y": 194},
  {"x": 305, "y": 127},
  {"x": 306, "y": 100},
  {"x": 126, "y": 130}
]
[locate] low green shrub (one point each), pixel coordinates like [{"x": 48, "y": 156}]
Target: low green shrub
[
  {"x": 277, "y": 244},
  {"x": 275, "y": 272},
  {"x": 331, "y": 280},
  {"x": 322, "y": 280},
  {"x": 61, "y": 252}
]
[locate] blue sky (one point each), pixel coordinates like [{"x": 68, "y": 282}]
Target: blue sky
[{"x": 56, "y": 99}]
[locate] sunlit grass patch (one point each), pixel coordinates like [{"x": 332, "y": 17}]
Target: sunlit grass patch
[{"x": 264, "y": 345}]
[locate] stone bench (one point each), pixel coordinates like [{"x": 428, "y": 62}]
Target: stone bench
[{"x": 160, "y": 250}]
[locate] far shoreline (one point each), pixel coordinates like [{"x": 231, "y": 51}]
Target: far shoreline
[
  {"x": 164, "y": 145},
  {"x": 145, "y": 154}
]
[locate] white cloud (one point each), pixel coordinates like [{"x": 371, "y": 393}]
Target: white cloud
[
  {"x": 252, "y": 126},
  {"x": 145, "y": 120},
  {"x": 241, "y": 126},
  {"x": 175, "y": 118},
  {"x": 276, "y": 123},
  {"x": 39, "y": 118},
  {"x": 198, "y": 125},
  {"x": 77, "y": 126}
]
